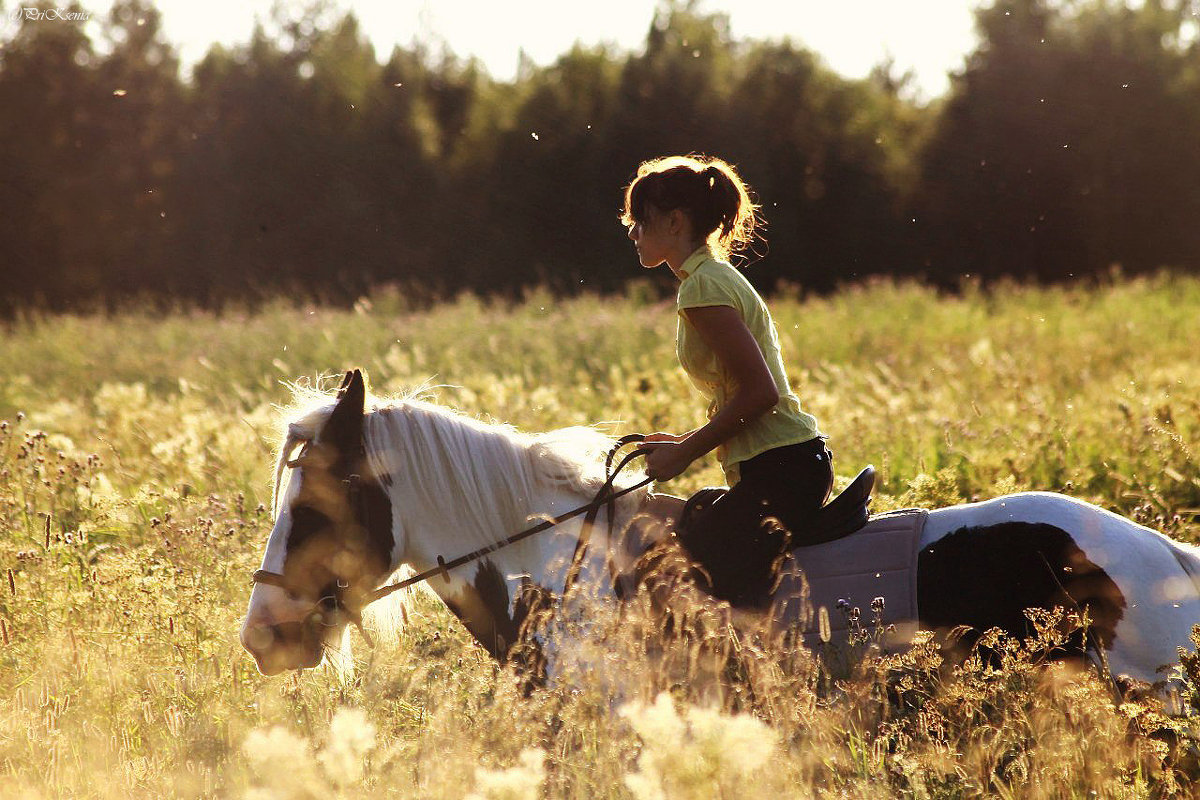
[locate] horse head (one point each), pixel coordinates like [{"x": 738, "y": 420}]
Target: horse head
[{"x": 332, "y": 542}]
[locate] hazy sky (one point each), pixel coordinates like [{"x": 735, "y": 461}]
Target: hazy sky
[{"x": 927, "y": 36}]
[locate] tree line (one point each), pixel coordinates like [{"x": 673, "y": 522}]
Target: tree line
[{"x": 299, "y": 163}]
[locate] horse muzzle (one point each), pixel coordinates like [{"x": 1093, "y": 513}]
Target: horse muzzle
[{"x": 283, "y": 646}]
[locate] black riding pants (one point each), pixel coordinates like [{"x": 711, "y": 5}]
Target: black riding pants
[{"x": 737, "y": 534}]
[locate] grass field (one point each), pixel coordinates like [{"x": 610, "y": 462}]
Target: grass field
[{"x": 135, "y": 463}]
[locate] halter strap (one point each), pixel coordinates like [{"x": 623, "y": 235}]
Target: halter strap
[{"x": 270, "y": 578}]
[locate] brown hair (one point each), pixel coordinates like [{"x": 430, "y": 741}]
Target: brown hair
[{"x": 707, "y": 189}]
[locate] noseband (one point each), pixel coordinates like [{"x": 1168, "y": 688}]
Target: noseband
[{"x": 326, "y": 608}]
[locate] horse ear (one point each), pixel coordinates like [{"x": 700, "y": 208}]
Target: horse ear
[{"x": 344, "y": 428}]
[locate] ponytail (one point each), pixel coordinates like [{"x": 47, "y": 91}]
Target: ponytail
[{"x": 707, "y": 189}]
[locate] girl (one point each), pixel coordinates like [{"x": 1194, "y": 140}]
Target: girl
[{"x": 692, "y": 213}]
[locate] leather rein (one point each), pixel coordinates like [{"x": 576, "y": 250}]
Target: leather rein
[{"x": 606, "y": 496}]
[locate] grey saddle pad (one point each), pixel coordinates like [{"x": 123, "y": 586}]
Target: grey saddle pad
[{"x": 878, "y": 561}]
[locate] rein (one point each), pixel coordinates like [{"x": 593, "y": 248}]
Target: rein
[{"x": 605, "y": 496}]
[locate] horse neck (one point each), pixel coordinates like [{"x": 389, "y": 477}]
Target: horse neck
[{"x": 457, "y": 486}]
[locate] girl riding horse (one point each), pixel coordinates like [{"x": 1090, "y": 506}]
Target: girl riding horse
[{"x": 693, "y": 213}]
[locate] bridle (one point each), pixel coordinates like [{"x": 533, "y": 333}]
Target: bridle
[{"x": 326, "y": 609}]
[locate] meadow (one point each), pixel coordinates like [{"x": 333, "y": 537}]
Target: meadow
[{"x": 135, "y": 474}]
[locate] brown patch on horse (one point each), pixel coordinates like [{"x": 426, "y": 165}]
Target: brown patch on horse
[
  {"x": 985, "y": 577},
  {"x": 502, "y": 627}
]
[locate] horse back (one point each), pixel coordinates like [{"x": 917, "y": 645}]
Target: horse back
[{"x": 868, "y": 576}]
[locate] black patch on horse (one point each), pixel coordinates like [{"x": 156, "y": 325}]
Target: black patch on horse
[
  {"x": 985, "y": 577},
  {"x": 492, "y": 590},
  {"x": 337, "y": 508},
  {"x": 376, "y": 505},
  {"x": 501, "y": 626},
  {"x": 315, "y": 536}
]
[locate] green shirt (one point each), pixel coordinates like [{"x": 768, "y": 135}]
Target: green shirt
[{"x": 708, "y": 282}]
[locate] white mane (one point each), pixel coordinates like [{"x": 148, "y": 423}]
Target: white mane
[
  {"x": 481, "y": 479},
  {"x": 473, "y": 478}
]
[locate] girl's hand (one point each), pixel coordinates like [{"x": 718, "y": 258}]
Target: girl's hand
[{"x": 666, "y": 459}]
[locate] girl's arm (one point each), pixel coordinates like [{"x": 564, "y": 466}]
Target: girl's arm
[
  {"x": 660, "y": 436},
  {"x": 724, "y": 331}
]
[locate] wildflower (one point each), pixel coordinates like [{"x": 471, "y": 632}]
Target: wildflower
[
  {"x": 351, "y": 739},
  {"x": 281, "y": 760},
  {"x": 522, "y": 781},
  {"x": 692, "y": 754}
]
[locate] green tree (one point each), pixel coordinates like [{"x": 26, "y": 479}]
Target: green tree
[
  {"x": 547, "y": 181},
  {"x": 1067, "y": 144},
  {"x": 48, "y": 95},
  {"x": 275, "y": 182},
  {"x": 827, "y": 157},
  {"x": 135, "y": 132}
]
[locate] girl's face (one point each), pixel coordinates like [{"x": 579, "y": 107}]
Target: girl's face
[{"x": 652, "y": 237}]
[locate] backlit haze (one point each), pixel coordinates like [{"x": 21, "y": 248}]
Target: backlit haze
[{"x": 929, "y": 37}]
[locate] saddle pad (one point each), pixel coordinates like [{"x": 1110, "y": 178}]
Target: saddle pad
[{"x": 880, "y": 560}]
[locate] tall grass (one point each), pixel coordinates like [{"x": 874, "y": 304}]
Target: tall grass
[{"x": 135, "y": 469}]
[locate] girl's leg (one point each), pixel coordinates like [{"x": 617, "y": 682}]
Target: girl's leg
[
  {"x": 738, "y": 536},
  {"x": 797, "y": 481},
  {"x": 726, "y": 536}
]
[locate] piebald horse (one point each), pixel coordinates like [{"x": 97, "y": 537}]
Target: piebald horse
[{"x": 409, "y": 483}]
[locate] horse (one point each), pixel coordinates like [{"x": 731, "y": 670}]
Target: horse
[{"x": 399, "y": 484}]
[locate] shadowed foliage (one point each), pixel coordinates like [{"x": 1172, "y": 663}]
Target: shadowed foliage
[{"x": 303, "y": 162}]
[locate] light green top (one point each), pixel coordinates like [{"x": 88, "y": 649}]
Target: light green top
[{"x": 708, "y": 282}]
